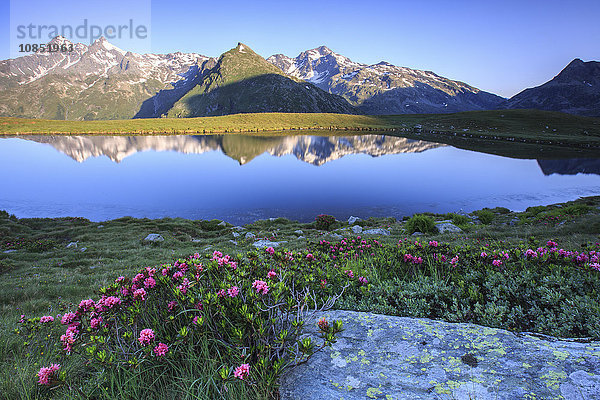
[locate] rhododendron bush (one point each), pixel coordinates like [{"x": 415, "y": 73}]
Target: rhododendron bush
[{"x": 252, "y": 309}]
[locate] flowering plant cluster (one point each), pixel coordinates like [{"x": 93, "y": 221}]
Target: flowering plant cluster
[
  {"x": 253, "y": 307},
  {"x": 324, "y": 221}
]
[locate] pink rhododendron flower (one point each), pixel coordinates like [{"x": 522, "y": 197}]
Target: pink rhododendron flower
[
  {"x": 139, "y": 294},
  {"x": 233, "y": 291},
  {"x": 221, "y": 293},
  {"x": 146, "y": 336},
  {"x": 270, "y": 250},
  {"x": 242, "y": 371},
  {"x": 496, "y": 263},
  {"x": 349, "y": 273},
  {"x": 68, "y": 318},
  {"x": 149, "y": 283},
  {"x": 138, "y": 278},
  {"x": 183, "y": 288},
  {"x": 433, "y": 243},
  {"x": 177, "y": 275},
  {"x": 120, "y": 279},
  {"x": 310, "y": 257},
  {"x": 96, "y": 322},
  {"x": 271, "y": 274},
  {"x": 45, "y": 374},
  {"x": 260, "y": 286},
  {"x": 86, "y": 305},
  {"x": 454, "y": 261},
  {"x": 107, "y": 302},
  {"x": 596, "y": 266},
  {"x": 161, "y": 349},
  {"x": 45, "y": 319},
  {"x": 363, "y": 280},
  {"x": 68, "y": 339},
  {"x": 172, "y": 304},
  {"x": 483, "y": 254},
  {"x": 530, "y": 253}
]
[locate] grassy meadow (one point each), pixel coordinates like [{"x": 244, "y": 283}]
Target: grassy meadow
[{"x": 503, "y": 270}]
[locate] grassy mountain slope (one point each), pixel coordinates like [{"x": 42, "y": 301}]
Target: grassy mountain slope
[{"x": 244, "y": 82}]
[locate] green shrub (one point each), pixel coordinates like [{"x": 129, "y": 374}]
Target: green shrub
[
  {"x": 324, "y": 222},
  {"x": 485, "y": 216},
  {"x": 458, "y": 219},
  {"x": 421, "y": 223}
]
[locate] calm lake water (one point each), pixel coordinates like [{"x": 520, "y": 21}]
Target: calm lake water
[{"x": 241, "y": 179}]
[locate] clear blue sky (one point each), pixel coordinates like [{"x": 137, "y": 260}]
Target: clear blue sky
[{"x": 502, "y": 46}]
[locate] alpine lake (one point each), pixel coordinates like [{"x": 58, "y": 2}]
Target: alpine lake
[{"x": 244, "y": 178}]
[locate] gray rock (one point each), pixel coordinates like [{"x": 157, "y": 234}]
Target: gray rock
[
  {"x": 299, "y": 232},
  {"x": 206, "y": 248},
  {"x": 352, "y": 220},
  {"x": 250, "y": 235},
  {"x": 154, "y": 237},
  {"x": 418, "y": 234},
  {"x": 378, "y": 231},
  {"x": 239, "y": 228},
  {"x": 235, "y": 234},
  {"x": 72, "y": 245},
  {"x": 335, "y": 236},
  {"x": 83, "y": 249},
  {"x": 233, "y": 241},
  {"x": 513, "y": 221},
  {"x": 266, "y": 243},
  {"x": 100, "y": 226},
  {"x": 447, "y": 227},
  {"x": 357, "y": 229},
  {"x": 9, "y": 251},
  {"x": 196, "y": 240},
  {"x": 386, "y": 357},
  {"x": 222, "y": 223},
  {"x": 301, "y": 237}
]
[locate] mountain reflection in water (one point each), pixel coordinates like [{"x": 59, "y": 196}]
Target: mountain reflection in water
[
  {"x": 316, "y": 150},
  {"x": 200, "y": 177},
  {"x": 570, "y": 166}
]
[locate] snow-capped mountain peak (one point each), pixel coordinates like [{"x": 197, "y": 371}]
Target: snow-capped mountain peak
[{"x": 383, "y": 88}]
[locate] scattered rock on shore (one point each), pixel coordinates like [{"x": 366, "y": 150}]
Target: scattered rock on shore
[
  {"x": 447, "y": 227},
  {"x": 378, "y": 231},
  {"x": 266, "y": 243},
  {"x": 154, "y": 237}
]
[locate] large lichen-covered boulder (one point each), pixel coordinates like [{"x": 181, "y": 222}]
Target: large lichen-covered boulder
[{"x": 385, "y": 357}]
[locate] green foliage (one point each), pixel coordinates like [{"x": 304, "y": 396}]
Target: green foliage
[
  {"x": 324, "y": 222},
  {"x": 245, "y": 309},
  {"x": 459, "y": 219},
  {"x": 421, "y": 223},
  {"x": 486, "y": 216}
]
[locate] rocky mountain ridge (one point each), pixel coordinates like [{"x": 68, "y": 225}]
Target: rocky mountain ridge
[
  {"x": 101, "y": 81},
  {"x": 384, "y": 88},
  {"x": 575, "y": 90}
]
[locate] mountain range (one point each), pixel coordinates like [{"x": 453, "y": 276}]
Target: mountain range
[{"x": 101, "y": 81}]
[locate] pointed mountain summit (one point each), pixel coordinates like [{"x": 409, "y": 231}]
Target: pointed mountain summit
[
  {"x": 575, "y": 90},
  {"x": 244, "y": 82}
]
